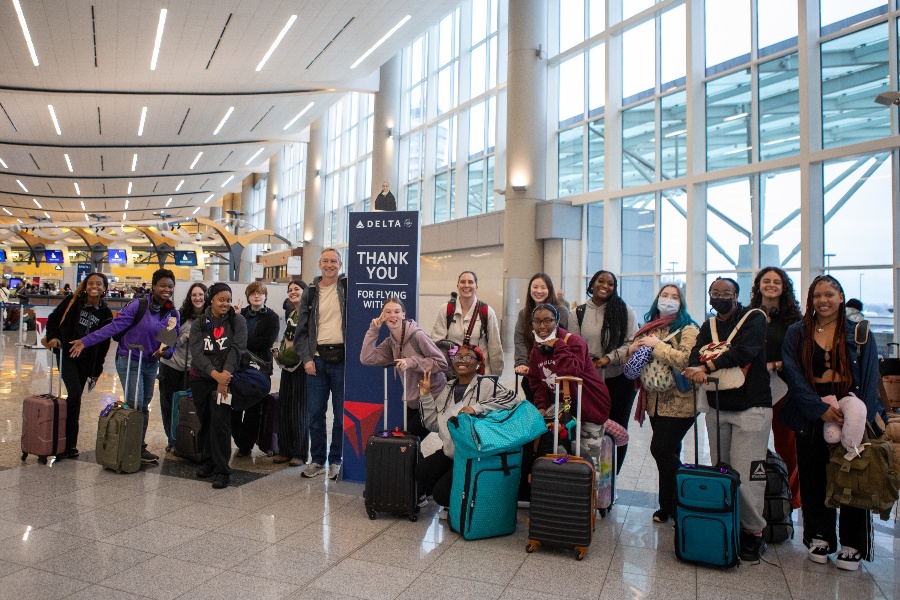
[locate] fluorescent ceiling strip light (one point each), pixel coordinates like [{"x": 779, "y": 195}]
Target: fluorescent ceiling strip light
[
  {"x": 19, "y": 220},
  {"x": 77, "y": 189},
  {"x": 222, "y": 122},
  {"x": 129, "y": 187},
  {"x": 194, "y": 164},
  {"x": 86, "y": 218},
  {"x": 227, "y": 181},
  {"x": 158, "y": 42},
  {"x": 208, "y": 199},
  {"x": 294, "y": 120},
  {"x": 127, "y": 202},
  {"x": 3, "y": 163},
  {"x": 38, "y": 203},
  {"x": 83, "y": 207},
  {"x": 254, "y": 156},
  {"x": 737, "y": 116},
  {"x": 180, "y": 184},
  {"x": 22, "y": 185},
  {"x": 47, "y": 214},
  {"x": 134, "y": 163},
  {"x": 69, "y": 163},
  {"x": 143, "y": 119},
  {"x": 168, "y": 202},
  {"x": 381, "y": 41},
  {"x": 26, "y": 33},
  {"x": 277, "y": 41},
  {"x": 7, "y": 211},
  {"x": 196, "y": 210},
  {"x": 55, "y": 121},
  {"x": 124, "y": 216}
]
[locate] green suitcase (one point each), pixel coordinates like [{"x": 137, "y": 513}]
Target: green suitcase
[{"x": 120, "y": 431}]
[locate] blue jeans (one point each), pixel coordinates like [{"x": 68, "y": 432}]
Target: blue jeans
[
  {"x": 329, "y": 378},
  {"x": 145, "y": 382}
]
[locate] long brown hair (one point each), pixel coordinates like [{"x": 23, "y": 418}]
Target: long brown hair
[
  {"x": 840, "y": 361},
  {"x": 788, "y": 308},
  {"x": 530, "y": 305}
]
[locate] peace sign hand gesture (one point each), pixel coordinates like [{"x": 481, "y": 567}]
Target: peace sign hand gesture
[{"x": 425, "y": 384}]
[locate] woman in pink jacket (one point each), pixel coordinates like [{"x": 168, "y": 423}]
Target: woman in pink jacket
[{"x": 408, "y": 348}]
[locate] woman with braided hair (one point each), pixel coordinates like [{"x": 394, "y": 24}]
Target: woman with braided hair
[{"x": 608, "y": 325}]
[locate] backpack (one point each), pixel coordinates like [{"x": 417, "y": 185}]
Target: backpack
[
  {"x": 868, "y": 481},
  {"x": 481, "y": 310},
  {"x": 777, "y": 506},
  {"x": 143, "y": 304}
]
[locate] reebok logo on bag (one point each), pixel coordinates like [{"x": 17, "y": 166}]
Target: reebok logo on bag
[{"x": 758, "y": 471}]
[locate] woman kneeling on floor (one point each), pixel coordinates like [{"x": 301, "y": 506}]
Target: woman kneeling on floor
[{"x": 469, "y": 394}]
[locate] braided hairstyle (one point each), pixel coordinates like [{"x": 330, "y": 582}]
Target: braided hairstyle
[
  {"x": 840, "y": 360},
  {"x": 615, "y": 322}
]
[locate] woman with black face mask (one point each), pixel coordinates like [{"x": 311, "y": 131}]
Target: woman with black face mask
[{"x": 745, "y": 412}]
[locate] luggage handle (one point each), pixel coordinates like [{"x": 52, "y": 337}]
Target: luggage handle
[
  {"x": 131, "y": 349},
  {"x": 59, "y": 372},
  {"x": 386, "y": 369},
  {"x": 566, "y": 379},
  {"x": 714, "y": 380},
  {"x": 896, "y": 351}
]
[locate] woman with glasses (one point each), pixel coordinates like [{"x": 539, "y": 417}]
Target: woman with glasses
[
  {"x": 540, "y": 291},
  {"x": 671, "y": 333},
  {"x": 821, "y": 358},
  {"x": 745, "y": 412},
  {"x": 409, "y": 349},
  {"x": 468, "y": 393},
  {"x": 607, "y": 325},
  {"x": 773, "y": 292}
]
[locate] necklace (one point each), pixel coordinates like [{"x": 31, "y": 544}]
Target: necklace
[{"x": 821, "y": 328}]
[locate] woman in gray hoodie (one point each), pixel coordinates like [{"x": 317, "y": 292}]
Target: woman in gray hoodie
[{"x": 408, "y": 348}]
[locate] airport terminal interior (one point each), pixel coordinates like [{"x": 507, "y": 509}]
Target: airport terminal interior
[{"x": 669, "y": 142}]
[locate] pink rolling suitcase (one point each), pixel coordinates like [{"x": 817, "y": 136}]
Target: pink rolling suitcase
[{"x": 44, "y": 422}]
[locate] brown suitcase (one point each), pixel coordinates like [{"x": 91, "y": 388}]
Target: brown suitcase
[
  {"x": 44, "y": 422},
  {"x": 891, "y": 391}
]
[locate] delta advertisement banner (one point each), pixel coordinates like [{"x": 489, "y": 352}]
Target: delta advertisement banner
[{"x": 382, "y": 261}]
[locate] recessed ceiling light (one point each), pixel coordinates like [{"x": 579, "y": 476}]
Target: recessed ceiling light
[
  {"x": 22, "y": 185},
  {"x": 196, "y": 210},
  {"x": 3, "y": 163},
  {"x": 276, "y": 42},
  {"x": 69, "y": 163},
  {"x": 129, "y": 187},
  {"x": 55, "y": 121},
  {"x": 300, "y": 114},
  {"x": 7, "y": 211},
  {"x": 143, "y": 118},
  {"x": 26, "y": 33},
  {"x": 38, "y": 203},
  {"x": 381, "y": 41},
  {"x": 208, "y": 199},
  {"x": 134, "y": 163},
  {"x": 77, "y": 189},
  {"x": 222, "y": 122},
  {"x": 159, "y": 31},
  {"x": 254, "y": 156},
  {"x": 47, "y": 214},
  {"x": 168, "y": 202},
  {"x": 227, "y": 181},
  {"x": 83, "y": 207},
  {"x": 194, "y": 164},
  {"x": 181, "y": 183}
]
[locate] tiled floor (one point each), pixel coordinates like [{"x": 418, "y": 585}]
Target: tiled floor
[{"x": 73, "y": 530}]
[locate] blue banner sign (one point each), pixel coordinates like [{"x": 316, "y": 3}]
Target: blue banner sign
[{"x": 382, "y": 261}]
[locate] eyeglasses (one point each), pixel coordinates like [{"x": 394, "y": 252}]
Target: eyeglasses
[
  {"x": 547, "y": 321},
  {"x": 258, "y": 294},
  {"x": 465, "y": 359},
  {"x": 722, "y": 295}
]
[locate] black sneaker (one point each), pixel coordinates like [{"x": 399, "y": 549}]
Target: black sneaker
[
  {"x": 848, "y": 559},
  {"x": 221, "y": 481},
  {"x": 818, "y": 551},
  {"x": 148, "y": 457},
  {"x": 72, "y": 453},
  {"x": 205, "y": 471},
  {"x": 660, "y": 516},
  {"x": 752, "y": 547}
]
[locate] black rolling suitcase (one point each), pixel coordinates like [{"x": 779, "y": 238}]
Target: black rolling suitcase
[
  {"x": 563, "y": 498},
  {"x": 391, "y": 458}
]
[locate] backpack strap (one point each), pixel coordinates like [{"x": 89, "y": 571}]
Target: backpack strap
[
  {"x": 479, "y": 312},
  {"x": 741, "y": 322},
  {"x": 484, "y": 319},
  {"x": 579, "y": 314},
  {"x": 451, "y": 310}
]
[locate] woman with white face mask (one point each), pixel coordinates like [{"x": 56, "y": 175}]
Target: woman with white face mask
[{"x": 671, "y": 333}]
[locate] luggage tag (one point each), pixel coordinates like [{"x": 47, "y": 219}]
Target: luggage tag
[
  {"x": 397, "y": 433},
  {"x": 854, "y": 452}
]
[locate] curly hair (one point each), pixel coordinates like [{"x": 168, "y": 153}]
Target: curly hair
[
  {"x": 840, "y": 360},
  {"x": 788, "y": 307},
  {"x": 615, "y": 322},
  {"x": 530, "y": 305},
  {"x": 187, "y": 307}
]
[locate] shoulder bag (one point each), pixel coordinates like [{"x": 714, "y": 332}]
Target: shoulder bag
[{"x": 733, "y": 377}]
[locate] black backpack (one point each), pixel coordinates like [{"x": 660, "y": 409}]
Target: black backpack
[
  {"x": 143, "y": 304},
  {"x": 777, "y": 508}
]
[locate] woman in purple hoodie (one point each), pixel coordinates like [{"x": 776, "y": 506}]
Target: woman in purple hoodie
[
  {"x": 139, "y": 323},
  {"x": 408, "y": 348}
]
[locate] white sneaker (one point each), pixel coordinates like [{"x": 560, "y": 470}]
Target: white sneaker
[
  {"x": 313, "y": 470},
  {"x": 848, "y": 559},
  {"x": 818, "y": 551},
  {"x": 444, "y": 514},
  {"x": 334, "y": 472}
]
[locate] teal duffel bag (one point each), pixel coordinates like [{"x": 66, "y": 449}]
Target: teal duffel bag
[{"x": 497, "y": 431}]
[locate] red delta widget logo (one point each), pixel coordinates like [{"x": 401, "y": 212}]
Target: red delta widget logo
[{"x": 360, "y": 421}]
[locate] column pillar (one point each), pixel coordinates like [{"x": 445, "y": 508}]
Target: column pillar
[
  {"x": 385, "y": 158},
  {"x": 314, "y": 210},
  {"x": 273, "y": 197},
  {"x": 211, "y": 272},
  {"x": 526, "y": 155},
  {"x": 244, "y": 207}
]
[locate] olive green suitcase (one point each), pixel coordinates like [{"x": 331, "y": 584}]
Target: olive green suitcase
[{"x": 120, "y": 431}]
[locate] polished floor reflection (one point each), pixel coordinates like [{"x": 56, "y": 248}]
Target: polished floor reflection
[{"x": 73, "y": 530}]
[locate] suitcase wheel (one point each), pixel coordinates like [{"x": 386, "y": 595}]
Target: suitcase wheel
[
  {"x": 42, "y": 460},
  {"x": 580, "y": 551},
  {"x": 373, "y": 515},
  {"x": 24, "y": 455},
  {"x": 414, "y": 517},
  {"x": 532, "y": 545},
  {"x": 603, "y": 512}
]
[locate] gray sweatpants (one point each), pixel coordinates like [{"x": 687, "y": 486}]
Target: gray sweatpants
[{"x": 745, "y": 438}]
